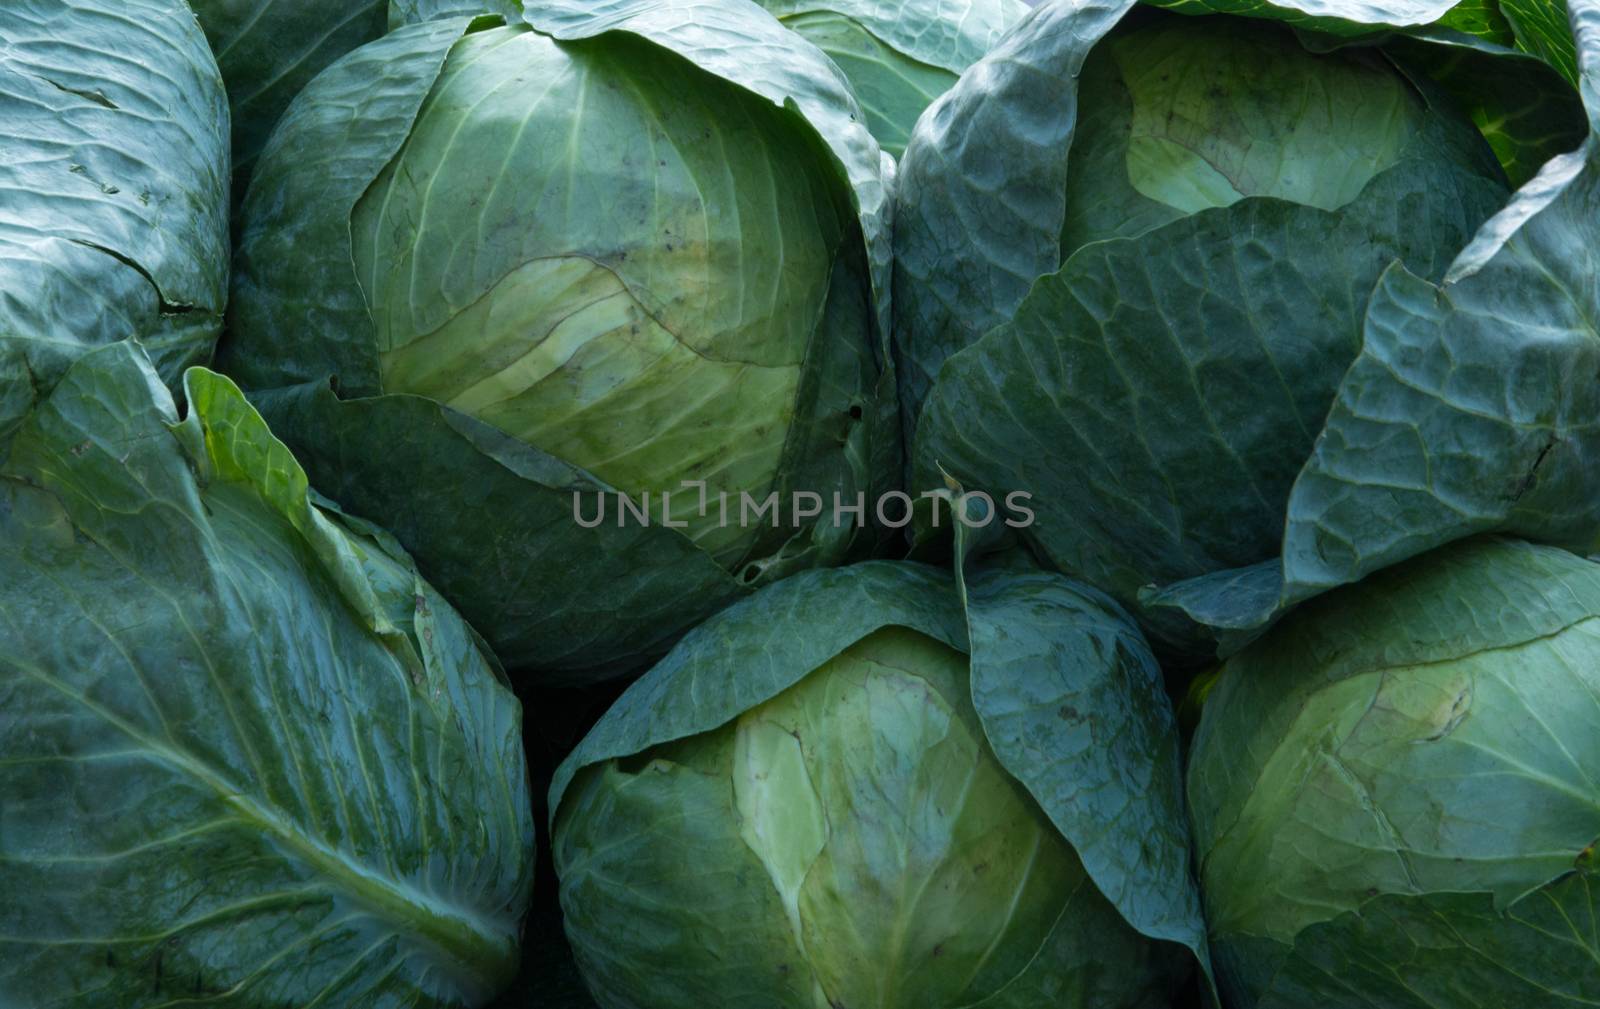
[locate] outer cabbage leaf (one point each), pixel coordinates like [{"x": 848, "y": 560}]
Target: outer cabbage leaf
[
  {"x": 969, "y": 243},
  {"x": 1540, "y": 28},
  {"x": 949, "y": 34},
  {"x": 897, "y": 57},
  {"x": 410, "y": 12},
  {"x": 1336, "y": 17},
  {"x": 332, "y": 143},
  {"x": 1448, "y": 951},
  {"x": 245, "y": 750},
  {"x": 900, "y": 57},
  {"x": 1522, "y": 105},
  {"x": 113, "y": 189},
  {"x": 1073, "y": 704},
  {"x": 1127, "y": 411},
  {"x": 1471, "y": 408},
  {"x": 582, "y": 603},
  {"x": 269, "y": 50}
]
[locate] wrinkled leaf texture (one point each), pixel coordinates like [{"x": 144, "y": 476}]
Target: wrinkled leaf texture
[
  {"x": 113, "y": 190},
  {"x": 1469, "y": 408},
  {"x": 246, "y": 754}
]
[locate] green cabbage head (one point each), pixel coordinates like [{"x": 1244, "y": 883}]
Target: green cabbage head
[
  {"x": 1217, "y": 289},
  {"x": 1394, "y": 796},
  {"x": 602, "y": 270},
  {"x": 852, "y": 837},
  {"x": 572, "y": 255}
]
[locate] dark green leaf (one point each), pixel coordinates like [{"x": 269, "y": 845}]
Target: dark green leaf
[
  {"x": 244, "y": 748},
  {"x": 269, "y": 50}
]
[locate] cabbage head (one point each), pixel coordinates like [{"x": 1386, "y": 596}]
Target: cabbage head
[
  {"x": 566, "y": 255},
  {"x": 113, "y": 190},
  {"x": 248, "y": 756},
  {"x": 1393, "y": 791},
  {"x": 836, "y": 793},
  {"x": 1246, "y": 299}
]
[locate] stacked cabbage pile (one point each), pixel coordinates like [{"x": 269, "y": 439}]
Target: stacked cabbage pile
[{"x": 919, "y": 506}]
